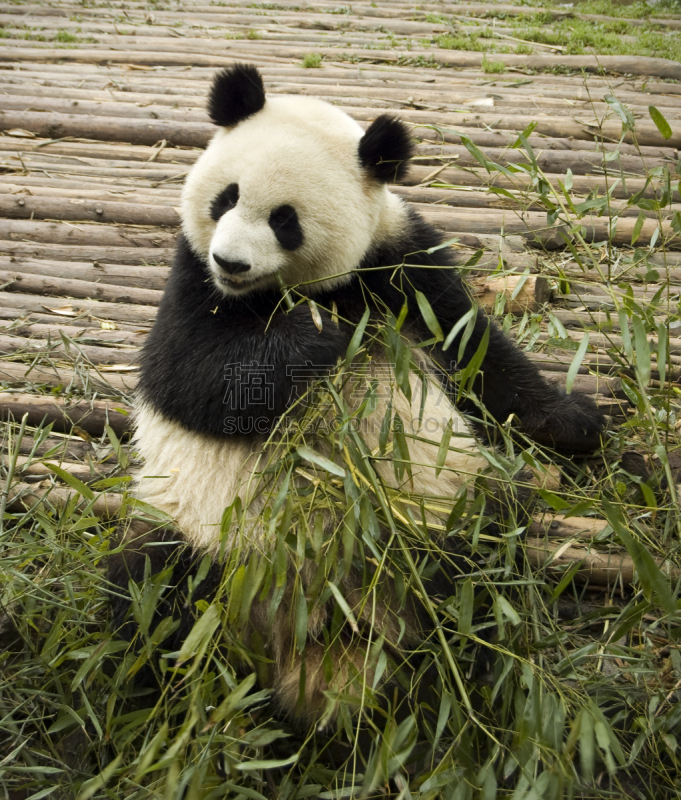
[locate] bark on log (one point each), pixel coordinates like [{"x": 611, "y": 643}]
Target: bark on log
[
  {"x": 89, "y": 415},
  {"x": 86, "y": 252},
  {"x": 56, "y": 349},
  {"x": 109, "y": 129},
  {"x": 86, "y": 233},
  {"x": 153, "y": 278},
  {"x": 26, "y": 496},
  {"x": 52, "y": 329},
  {"x": 87, "y": 309},
  {"x": 521, "y": 292},
  {"x": 36, "y": 466},
  {"x": 71, "y": 287},
  {"x": 20, "y": 373},
  {"x": 532, "y": 226},
  {"x": 37, "y": 207},
  {"x": 255, "y": 50}
]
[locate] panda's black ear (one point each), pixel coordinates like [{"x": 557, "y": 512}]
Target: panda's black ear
[
  {"x": 236, "y": 93},
  {"x": 385, "y": 149}
]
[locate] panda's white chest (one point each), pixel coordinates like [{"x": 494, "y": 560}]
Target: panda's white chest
[{"x": 193, "y": 477}]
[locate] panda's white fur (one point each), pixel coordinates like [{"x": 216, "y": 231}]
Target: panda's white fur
[{"x": 296, "y": 150}]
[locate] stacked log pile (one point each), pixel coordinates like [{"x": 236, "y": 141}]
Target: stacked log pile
[{"x": 102, "y": 115}]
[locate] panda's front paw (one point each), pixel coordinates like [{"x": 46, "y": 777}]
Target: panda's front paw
[{"x": 574, "y": 425}]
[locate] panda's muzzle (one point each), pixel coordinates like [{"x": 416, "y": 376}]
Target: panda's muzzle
[{"x": 231, "y": 267}]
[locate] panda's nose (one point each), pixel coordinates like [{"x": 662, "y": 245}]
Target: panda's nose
[{"x": 231, "y": 267}]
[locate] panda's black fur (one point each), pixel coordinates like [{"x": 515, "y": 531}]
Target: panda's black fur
[
  {"x": 200, "y": 329},
  {"x": 184, "y": 357}
]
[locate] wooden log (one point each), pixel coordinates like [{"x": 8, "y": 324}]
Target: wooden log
[
  {"x": 64, "y": 413},
  {"x": 112, "y": 274},
  {"x": 521, "y": 293},
  {"x": 157, "y": 156},
  {"x": 142, "y": 54},
  {"x": 532, "y": 225},
  {"x": 544, "y": 550},
  {"x": 579, "y": 162},
  {"x": 443, "y": 175},
  {"x": 85, "y": 252},
  {"x": 71, "y": 287},
  {"x": 177, "y": 159},
  {"x": 52, "y": 329},
  {"x": 35, "y": 466},
  {"x": 96, "y": 310},
  {"x": 27, "y": 496},
  {"x": 85, "y": 233},
  {"x": 56, "y": 446},
  {"x": 112, "y": 383},
  {"x": 77, "y": 190},
  {"x": 38, "y": 207},
  {"x": 71, "y": 351},
  {"x": 109, "y": 129}
]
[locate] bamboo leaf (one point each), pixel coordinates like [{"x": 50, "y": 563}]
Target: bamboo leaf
[
  {"x": 458, "y": 325},
  {"x": 662, "y": 352},
  {"x": 660, "y": 122},
  {"x": 443, "y": 449},
  {"x": 466, "y": 607},
  {"x": 429, "y": 316},
  {"x": 642, "y": 350},
  {"x": 576, "y": 363},
  {"x": 246, "y": 766},
  {"x": 356, "y": 339},
  {"x": 637, "y": 227},
  {"x": 653, "y": 582},
  {"x": 319, "y": 460},
  {"x": 344, "y": 607},
  {"x": 204, "y": 627},
  {"x": 300, "y": 626},
  {"x": 74, "y": 483}
]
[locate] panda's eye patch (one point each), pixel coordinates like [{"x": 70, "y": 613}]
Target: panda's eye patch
[
  {"x": 225, "y": 201},
  {"x": 286, "y": 226}
]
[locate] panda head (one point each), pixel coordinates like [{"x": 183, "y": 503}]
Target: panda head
[{"x": 290, "y": 189}]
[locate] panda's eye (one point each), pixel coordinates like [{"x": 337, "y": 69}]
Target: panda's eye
[
  {"x": 225, "y": 201},
  {"x": 286, "y": 226}
]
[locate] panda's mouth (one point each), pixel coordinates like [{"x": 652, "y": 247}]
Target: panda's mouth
[{"x": 236, "y": 284}]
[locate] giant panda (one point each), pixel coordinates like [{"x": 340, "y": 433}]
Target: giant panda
[{"x": 291, "y": 192}]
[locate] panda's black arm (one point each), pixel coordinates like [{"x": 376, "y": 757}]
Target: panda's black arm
[{"x": 508, "y": 383}]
